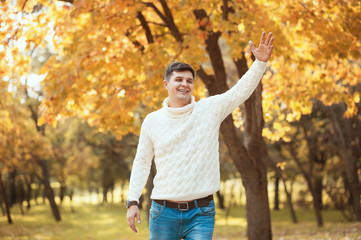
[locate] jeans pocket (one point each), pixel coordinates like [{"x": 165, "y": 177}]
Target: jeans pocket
[
  {"x": 209, "y": 210},
  {"x": 155, "y": 210}
]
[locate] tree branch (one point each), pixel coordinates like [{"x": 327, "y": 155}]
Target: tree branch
[
  {"x": 225, "y": 10},
  {"x": 304, "y": 6},
  {"x": 16, "y": 31},
  {"x": 156, "y": 23},
  {"x": 214, "y": 52},
  {"x": 167, "y": 18},
  {"x": 169, "y": 21},
  {"x": 136, "y": 43},
  {"x": 159, "y": 13},
  {"x": 69, "y": 1},
  {"x": 208, "y": 80},
  {"x": 146, "y": 28}
]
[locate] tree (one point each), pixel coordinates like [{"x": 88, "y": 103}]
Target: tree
[
  {"x": 346, "y": 135},
  {"x": 108, "y": 71},
  {"x": 16, "y": 134},
  {"x": 248, "y": 162},
  {"x": 15, "y": 66},
  {"x": 318, "y": 147}
]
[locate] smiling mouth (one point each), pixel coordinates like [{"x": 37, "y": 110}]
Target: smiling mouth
[{"x": 183, "y": 91}]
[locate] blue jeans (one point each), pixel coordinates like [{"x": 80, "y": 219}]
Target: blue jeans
[{"x": 172, "y": 224}]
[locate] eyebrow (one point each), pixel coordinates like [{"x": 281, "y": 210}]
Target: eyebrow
[{"x": 180, "y": 77}]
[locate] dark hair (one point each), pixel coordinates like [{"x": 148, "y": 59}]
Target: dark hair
[{"x": 177, "y": 67}]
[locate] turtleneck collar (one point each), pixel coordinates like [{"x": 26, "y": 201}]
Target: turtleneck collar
[{"x": 178, "y": 112}]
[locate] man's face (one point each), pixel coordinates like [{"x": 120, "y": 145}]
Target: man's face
[{"x": 180, "y": 88}]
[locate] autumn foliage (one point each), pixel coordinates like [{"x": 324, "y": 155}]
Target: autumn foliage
[
  {"x": 105, "y": 61},
  {"x": 109, "y": 54}
]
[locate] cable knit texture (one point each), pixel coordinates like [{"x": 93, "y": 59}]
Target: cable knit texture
[{"x": 184, "y": 142}]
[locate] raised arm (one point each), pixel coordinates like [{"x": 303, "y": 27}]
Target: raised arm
[{"x": 225, "y": 103}]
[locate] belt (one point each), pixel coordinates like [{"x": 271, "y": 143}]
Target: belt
[{"x": 184, "y": 206}]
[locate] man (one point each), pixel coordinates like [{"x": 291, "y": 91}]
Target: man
[{"x": 183, "y": 137}]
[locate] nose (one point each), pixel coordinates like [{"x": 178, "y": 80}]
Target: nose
[{"x": 184, "y": 83}]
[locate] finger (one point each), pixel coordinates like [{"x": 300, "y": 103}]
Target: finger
[
  {"x": 131, "y": 224},
  {"x": 133, "y": 227},
  {"x": 269, "y": 36},
  {"x": 262, "y": 37},
  {"x": 138, "y": 217},
  {"x": 270, "y": 52},
  {"x": 270, "y": 42},
  {"x": 251, "y": 44}
]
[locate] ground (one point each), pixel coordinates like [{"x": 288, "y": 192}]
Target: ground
[{"x": 91, "y": 221}]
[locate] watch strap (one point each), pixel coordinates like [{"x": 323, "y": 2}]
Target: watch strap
[{"x": 131, "y": 203}]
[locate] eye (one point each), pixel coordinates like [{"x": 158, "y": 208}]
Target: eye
[{"x": 189, "y": 81}]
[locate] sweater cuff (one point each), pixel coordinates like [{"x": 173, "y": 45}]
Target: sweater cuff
[
  {"x": 259, "y": 65},
  {"x": 130, "y": 198}
]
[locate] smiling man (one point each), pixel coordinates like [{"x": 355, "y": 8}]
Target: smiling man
[
  {"x": 179, "y": 82},
  {"x": 182, "y": 137}
]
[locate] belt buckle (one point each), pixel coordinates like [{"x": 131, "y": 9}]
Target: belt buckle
[{"x": 180, "y": 206}]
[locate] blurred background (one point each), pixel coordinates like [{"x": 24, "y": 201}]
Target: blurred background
[{"x": 78, "y": 77}]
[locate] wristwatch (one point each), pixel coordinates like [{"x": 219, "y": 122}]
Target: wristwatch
[{"x": 131, "y": 203}]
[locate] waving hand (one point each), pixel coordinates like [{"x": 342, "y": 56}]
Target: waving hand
[{"x": 264, "y": 50}]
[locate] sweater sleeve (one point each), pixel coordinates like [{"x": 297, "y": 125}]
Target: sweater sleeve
[
  {"x": 225, "y": 103},
  {"x": 141, "y": 164}
]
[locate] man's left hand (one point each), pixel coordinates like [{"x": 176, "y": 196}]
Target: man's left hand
[{"x": 264, "y": 50}]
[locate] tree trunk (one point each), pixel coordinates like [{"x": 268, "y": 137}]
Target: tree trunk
[
  {"x": 37, "y": 194},
  {"x": 317, "y": 207},
  {"x": 44, "y": 195},
  {"x": 105, "y": 194},
  {"x": 318, "y": 191},
  {"x": 11, "y": 187},
  {"x": 112, "y": 193},
  {"x": 258, "y": 212},
  {"x": 220, "y": 200},
  {"x": 256, "y": 169},
  {"x": 71, "y": 200},
  {"x": 308, "y": 178},
  {"x": 348, "y": 154},
  {"x": 21, "y": 208},
  {"x": 289, "y": 200},
  {"x": 257, "y": 207},
  {"x": 3, "y": 193},
  {"x": 355, "y": 186},
  {"x": 279, "y": 175},
  {"x": 20, "y": 195},
  {"x": 62, "y": 191},
  {"x": 254, "y": 180},
  {"x": 28, "y": 183},
  {"x": 122, "y": 191},
  {"x": 2, "y": 208},
  {"x": 277, "y": 184},
  {"x": 49, "y": 191}
]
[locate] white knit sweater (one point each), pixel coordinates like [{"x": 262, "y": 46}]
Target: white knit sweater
[{"x": 184, "y": 142}]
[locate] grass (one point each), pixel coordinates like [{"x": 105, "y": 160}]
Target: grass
[{"x": 92, "y": 221}]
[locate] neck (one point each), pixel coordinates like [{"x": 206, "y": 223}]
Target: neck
[{"x": 178, "y": 104}]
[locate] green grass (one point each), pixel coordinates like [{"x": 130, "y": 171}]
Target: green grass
[{"x": 109, "y": 222}]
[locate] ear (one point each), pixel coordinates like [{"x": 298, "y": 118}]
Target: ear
[{"x": 165, "y": 84}]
